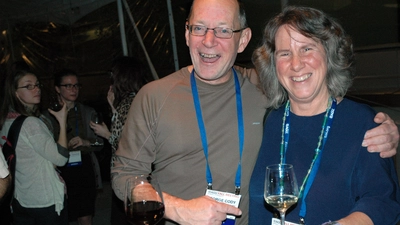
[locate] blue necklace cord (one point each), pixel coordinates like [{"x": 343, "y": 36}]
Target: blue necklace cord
[
  {"x": 312, "y": 171},
  {"x": 203, "y": 134}
]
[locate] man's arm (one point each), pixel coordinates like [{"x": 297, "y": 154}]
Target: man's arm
[
  {"x": 131, "y": 158},
  {"x": 202, "y": 210},
  {"x": 384, "y": 138},
  {"x": 4, "y": 186}
]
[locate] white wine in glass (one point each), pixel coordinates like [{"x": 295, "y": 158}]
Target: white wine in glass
[
  {"x": 143, "y": 202},
  {"x": 281, "y": 188},
  {"x": 96, "y": 118}
]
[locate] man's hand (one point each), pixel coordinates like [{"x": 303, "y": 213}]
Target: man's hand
[
  {"x": 202, "y": 211},
  {"x": 384, "y": 138}
]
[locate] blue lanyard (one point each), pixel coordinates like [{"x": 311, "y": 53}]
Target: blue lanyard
[
  {"x": 76, "y": 121},
  {"x": 309, "y": 178},
  {"x": 203, "y": 134}
]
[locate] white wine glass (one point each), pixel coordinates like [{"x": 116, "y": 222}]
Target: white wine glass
[
  {"x": 97, "y": 119},
  {"x": 281, "y": 189},
  {"x": 143, "y": 201}
]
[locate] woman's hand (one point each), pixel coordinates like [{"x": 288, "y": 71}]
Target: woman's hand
[
  {"x": 61, "y": 115},
  {"x": 100, "y": 129}
]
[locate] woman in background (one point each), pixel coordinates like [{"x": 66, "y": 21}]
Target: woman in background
[
  {"x": 5, "y": 178},
  {"x": 39, "y": 194},
  {"x": 128, "y": 75},
  {"x": 81, "y": 173}
]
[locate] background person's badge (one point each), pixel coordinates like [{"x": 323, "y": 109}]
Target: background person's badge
[{"x": 75, "y": 158}]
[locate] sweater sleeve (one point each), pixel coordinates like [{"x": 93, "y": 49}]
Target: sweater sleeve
[
  {"x": 378, "y": 198},
  {"x": 375, "y": 186},
  {"x": 136, "y": 148},
  {"x": 135, "y": 152},
  {"x": 42, "y": 142}
]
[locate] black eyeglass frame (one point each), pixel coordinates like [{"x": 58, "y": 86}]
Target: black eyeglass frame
[
  {"x": 190, "y": 28},
  {"x": 31, "y": 86},
  {"x": 70, "y": 86}
]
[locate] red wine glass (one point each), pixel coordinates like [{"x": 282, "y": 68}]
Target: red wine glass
[{"x": 143, "y": 202}]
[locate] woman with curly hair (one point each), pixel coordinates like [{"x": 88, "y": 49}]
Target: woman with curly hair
[{"x": 306, "y": 65}]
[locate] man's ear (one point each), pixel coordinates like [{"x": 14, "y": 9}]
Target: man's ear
[
  {"x": 244, "y": 39},
  {"x": 187, "y": 33}
]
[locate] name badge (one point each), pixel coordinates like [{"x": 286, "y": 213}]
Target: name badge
[
  {"x": 227, "y": 198},
  {"x": 276, "y": 221},
  {"x": 75, "y": 158}
]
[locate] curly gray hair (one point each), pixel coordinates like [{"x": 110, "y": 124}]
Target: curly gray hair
[{"x": 314, "y": 24}]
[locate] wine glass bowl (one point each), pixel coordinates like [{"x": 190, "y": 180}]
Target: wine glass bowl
[
  {"x": 281, "y": 188},
  {"x": 143, "y": 202},
  {"x": 97, "y": 119},
  {"x": 55, "y": 104}
]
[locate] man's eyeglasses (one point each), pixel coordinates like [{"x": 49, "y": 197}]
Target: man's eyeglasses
[
  {"x": 32, "y": 86},
  {"x": 70, "y": 86},
  {"x": 219, "y": 32}
]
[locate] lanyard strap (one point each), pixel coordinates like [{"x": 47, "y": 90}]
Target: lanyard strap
[
  {"x": 76, "y": 121},
  {"x": 203, "y": 133},
  {"x": 309, "y": 178}
]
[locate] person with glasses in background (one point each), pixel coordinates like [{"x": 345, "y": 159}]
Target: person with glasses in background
[
  {"x": 201, "y": 127},
  {"x": 39, "y": 192},
  {"x": 81, "y": 174}
]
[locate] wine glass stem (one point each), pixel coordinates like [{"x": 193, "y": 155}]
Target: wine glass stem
[{"x": 282, "y": 218}]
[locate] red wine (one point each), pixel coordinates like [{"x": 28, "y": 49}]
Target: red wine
[
  {"x": 55, "y": 106},
  {"x": 149, "y": 212}
]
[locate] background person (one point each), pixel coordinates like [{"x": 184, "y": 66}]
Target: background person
[
  {"x": 5, "y": 179},
  {"x": 39, "y": 192},
  {"x": 81, "y": 173},
  {"x": 161, "y": 134},
  {"x": 128, "y": 75},
  {"x": 306, "y": 59}
]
